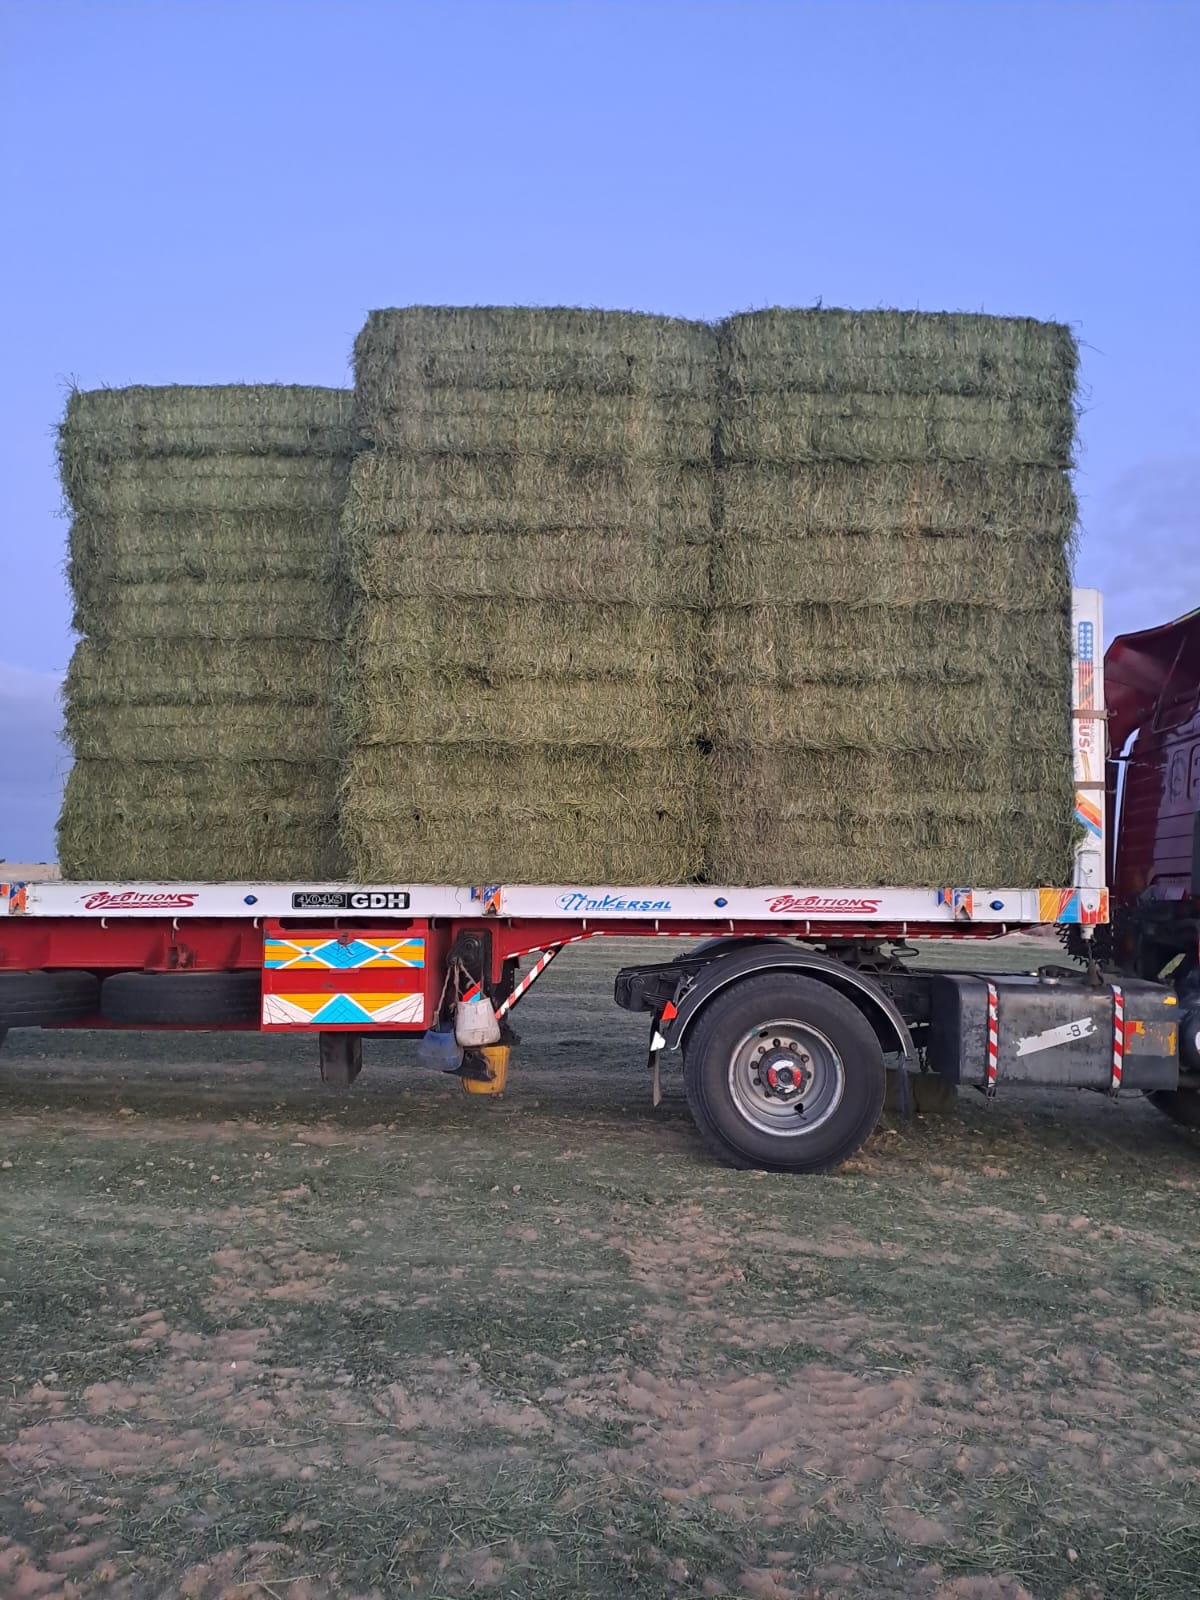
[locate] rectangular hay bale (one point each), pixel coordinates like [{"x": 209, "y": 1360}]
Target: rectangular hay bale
[
  {"x": 782, "y": 427},
  {"x": 205, "y": 821},
  {"x": 272, "y": 419},
  {"x": 522, "y": 815},
  {"x": 820, "y": 350}
]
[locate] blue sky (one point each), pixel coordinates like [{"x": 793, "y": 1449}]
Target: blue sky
[{"x": 198, "y": 191}]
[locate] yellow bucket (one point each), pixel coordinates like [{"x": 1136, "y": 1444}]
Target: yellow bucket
[{"x": 496, "y": 1056}]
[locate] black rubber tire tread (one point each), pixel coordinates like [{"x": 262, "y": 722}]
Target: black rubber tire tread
[
  {"x": 197, "y": 999},
  {"x": 40, "y": 999},
  {"x": 730, "y": 1015},
  {"x": 1181, "y": 1105}
]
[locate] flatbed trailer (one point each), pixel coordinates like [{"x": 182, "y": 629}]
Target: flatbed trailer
[{"x": 787, "y": 1012}]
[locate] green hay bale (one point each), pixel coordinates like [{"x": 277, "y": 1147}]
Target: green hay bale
[
  {"x": 524, "y": 495},
  {"x": 591, "y": 568},
  {"x": 521, "y": 381},
  {"x": 899, "y": 352},
  {"x": 898, "y": 500},
  {"x": 291, "y": 608},
  {"x": 982, "y": 814},
  {"x": 788, "y": 781},
  {"x": 910, "y": 710},
  {"x": 511, "y": 641},
  {"x": 206, "y": 564},
  {"x": 993, "y": 854},
  {"x": 887, "y": 648},
  {"x": 170, "y": 485},
  {"x": 536, "y": 349},
  {"x": 192, "y": 731},
  {"x": 865, "y": 570},
  {"x": 283, "y": 790},
  {"x": 157, "y": 671},
  {"x": 213, "y": 546},
  {"x": 219, "y": 419},
  {"x": 457, "y": 708},
  {"x": 924, "y": 646},
  {"x": 784, "y": 428},
  {"x": 209, "y": 821},
  {"x": 504, "y": 422},
  {"x": 492, "y": 814}
]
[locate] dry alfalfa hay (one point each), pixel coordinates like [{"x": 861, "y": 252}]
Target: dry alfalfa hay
[
  {"x": 869, "y": 571},
  {"x": 142, "y": 421},
  {"x": 784, "y": 427},
  {"x": 505, "y": 422},
  {"x": 862, "y": 819},
  {"x": 521, "y": 381},
  {"x": 906, "y": 710},
  {"x": 529, "y": 544},
  {"x": 520, "y": 495},
  {"x": 219, "y": 547},
  {"x": 476, "y": 814},
  {"x": 186, "y": 485},
  {"x": 887, "y": 648},
  {"x": 190, "y": 608},
  {"x": 132, "y": 671},
  {"x": 572, "y": 569},
  {"x": 629, "y": 713},
  {"x": 927, "y": 644},
  {"x": 818, "y": 351},
  {"x": 510, "y": 641},
  {"x": 207, "y": 821},
  {"x": 218, "y": 786},
  {"x": 527, "y": 349},
  {"x": 191, "y": 732},
  {"x": 205, "y": 562},
  {"x": 963, "y": 500},
  {"x": 891, "y": 386}
]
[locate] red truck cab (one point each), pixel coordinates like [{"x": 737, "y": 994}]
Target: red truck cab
[{"x": 1152, "y": 687}]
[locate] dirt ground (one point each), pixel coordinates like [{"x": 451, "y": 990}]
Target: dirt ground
[{"x": 257, "y": 1343}]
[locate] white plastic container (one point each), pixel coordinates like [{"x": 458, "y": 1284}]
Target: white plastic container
[{"x": 475, "y": 1023}]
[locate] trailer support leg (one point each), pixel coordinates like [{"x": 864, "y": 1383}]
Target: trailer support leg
[{"x": 341, "y": 1059}]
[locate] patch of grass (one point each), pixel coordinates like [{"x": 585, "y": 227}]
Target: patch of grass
[{"x": 502, "y": 1332}]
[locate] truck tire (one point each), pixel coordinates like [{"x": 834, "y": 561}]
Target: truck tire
[
  {"x": 783, "y": 1073},
  {"x": 193, "y": 999},
  {"x": 40, "y": 999}
]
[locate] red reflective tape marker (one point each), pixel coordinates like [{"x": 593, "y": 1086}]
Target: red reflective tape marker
[
  {"x": 1118, "y": 1055},
  {"x": 528, "y": 981},
  {"x": 993, "y": 1045},
  {"x": 670, "y": 1011}
]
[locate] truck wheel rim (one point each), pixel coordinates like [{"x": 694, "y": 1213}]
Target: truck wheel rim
[{"x": 786, "y": 1078}]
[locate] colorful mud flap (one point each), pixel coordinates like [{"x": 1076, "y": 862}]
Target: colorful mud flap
[{"x": 362, "y": 980}]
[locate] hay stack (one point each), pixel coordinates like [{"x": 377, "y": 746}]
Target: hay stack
[
  {"x": 528, "y": 542},
  {"x": 201, "y": 703},
  {"x": 888, "y": 645}
]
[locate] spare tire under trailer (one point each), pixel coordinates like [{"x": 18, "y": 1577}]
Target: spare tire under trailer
[
  {"x": 182, "y": 999},
  {"x": 42, "y": 999}
]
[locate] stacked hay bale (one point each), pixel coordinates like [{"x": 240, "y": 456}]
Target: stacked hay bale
[
  {"x": 528, "y": 539},
  {"x": 201, "y": 702},
  {"x": 888, "y": 646}
]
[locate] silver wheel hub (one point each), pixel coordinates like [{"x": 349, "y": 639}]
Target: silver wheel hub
[{"x": 786, "y": 1078}]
